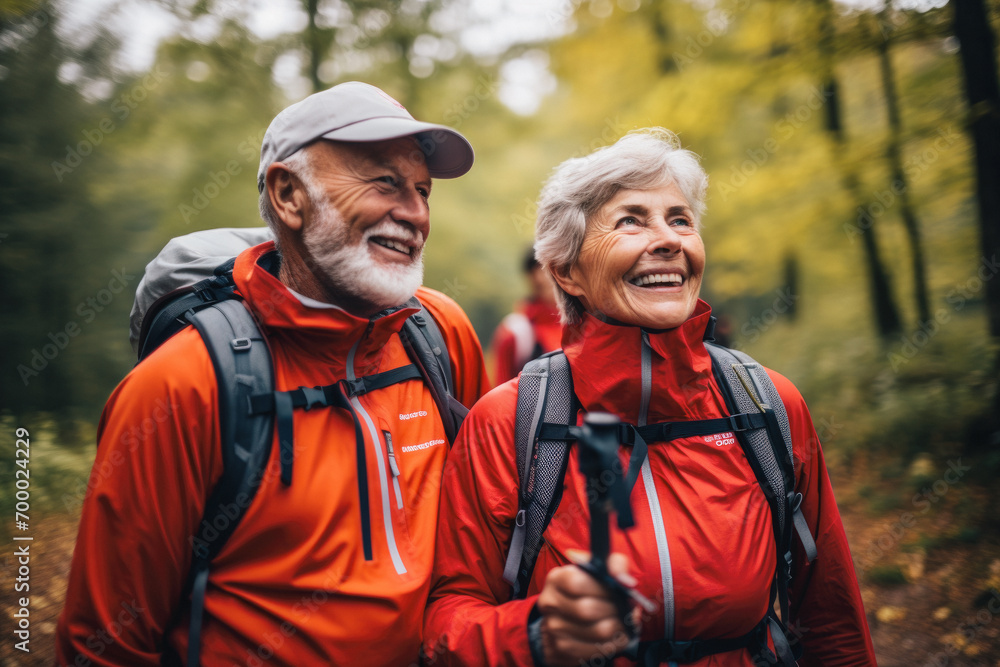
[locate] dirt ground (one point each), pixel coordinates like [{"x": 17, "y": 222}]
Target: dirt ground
[{"x": 939, "y": 613}]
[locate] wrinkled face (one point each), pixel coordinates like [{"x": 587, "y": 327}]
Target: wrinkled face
[
  {"x": 642, "y": 260},
  {"x": 368, "y": 220}
]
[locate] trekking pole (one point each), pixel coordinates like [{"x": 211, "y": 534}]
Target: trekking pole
[{"x": 599, "y": 440}]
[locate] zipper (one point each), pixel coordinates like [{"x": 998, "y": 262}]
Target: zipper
[
  {"x": 394, "y": 467},
  {"x": 390, "y": 535},
  {"x": 653, "y": 498}
]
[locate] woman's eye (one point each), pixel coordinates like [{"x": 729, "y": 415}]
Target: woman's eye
[
  {"x": 627, "y": 221},
  {"x": 683, "y": 222}
]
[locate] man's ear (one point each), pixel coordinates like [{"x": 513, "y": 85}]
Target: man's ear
[
  {"x": 566, "y": 278},
  {"x": 288, "y": 195}
]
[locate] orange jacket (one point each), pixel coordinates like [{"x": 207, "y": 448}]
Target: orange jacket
[
  {"x": 513, "y": 334},
  {"x": 719, "y": 551},
  {"x": 291, "y": 586}
]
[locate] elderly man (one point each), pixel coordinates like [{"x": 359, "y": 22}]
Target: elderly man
[{"x": 331, "y": 566}]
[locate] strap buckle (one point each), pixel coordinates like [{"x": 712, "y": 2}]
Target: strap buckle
[
  {"x": 740, "y": 422},
  {"x": 354, "y": 387},
  {"x": 314, "y": 396},
  {"x": 681, "y": 651}
]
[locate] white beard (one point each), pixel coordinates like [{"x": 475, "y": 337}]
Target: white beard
[{"x": 351, "y": 270}]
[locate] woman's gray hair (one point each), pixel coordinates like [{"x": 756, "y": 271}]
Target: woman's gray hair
[
  {"x": 299, "y": 164},
  {"x": 579, "y": 187}
]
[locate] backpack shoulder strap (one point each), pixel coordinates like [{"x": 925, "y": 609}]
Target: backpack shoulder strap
[
  {"x": 747, "y": 387},
  {"x": 544, "y": 395},
  {"x": 427, "y": 349},
  {"x": 166, "y": 315},
  {"x": 243, "y": 368}
]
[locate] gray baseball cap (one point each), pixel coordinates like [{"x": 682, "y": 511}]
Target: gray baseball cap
[{"x": 356, "y": 111}]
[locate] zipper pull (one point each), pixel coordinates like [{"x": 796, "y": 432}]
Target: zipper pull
[
  {"x": 394, "y": 467},
  {"x": 392, "y": 454}
]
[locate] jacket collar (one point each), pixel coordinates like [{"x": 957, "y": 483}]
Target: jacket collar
[
  {"x": 277, "y": 308},
  {"x": 606, "y": 362}
]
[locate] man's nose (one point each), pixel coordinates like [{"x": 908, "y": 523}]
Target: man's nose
[{"x": 412, "y": 208}]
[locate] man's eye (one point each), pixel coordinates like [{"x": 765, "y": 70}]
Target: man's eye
[
  {"x": 388, "y": 180},
  {"x": 627, "y": 221},
  {"x": 424, "y": 192}
]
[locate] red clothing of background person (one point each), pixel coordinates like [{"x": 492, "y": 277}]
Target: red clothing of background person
[{"x": 531, "y": 330}]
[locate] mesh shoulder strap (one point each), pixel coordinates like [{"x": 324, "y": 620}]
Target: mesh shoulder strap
[
  {"x": 544, "y": 394},
  {"x": 242, "y": 368},
  {"x": 748, "y": 388},
  {"x": 426, "y": 347}
]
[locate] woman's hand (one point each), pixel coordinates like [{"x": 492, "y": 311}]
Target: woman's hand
[{"x": 580, "y": 621}]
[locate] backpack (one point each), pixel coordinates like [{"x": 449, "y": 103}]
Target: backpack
[
  {"x": 249, "y": 406},
  {"x": 545, "y": 427}
]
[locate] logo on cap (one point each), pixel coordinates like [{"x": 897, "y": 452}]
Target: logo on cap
[{"x": 389, "y": 97}]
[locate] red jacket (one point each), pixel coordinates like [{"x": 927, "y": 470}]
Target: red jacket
[
  {"x": 532, "y": 329},
  {"x": 720, "y": 547},
  {"x": 291, "y": 586}
]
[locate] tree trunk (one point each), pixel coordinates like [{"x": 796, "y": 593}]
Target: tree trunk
[
  {"x": 898, "y": 185},
  {"x": 314, "y": 45},
  {"x": 982, "y": 91},
  {"x": 886, "y": 313}
]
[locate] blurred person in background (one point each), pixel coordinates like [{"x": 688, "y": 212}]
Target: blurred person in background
[
  {"x": 619, "y": 232},
  {"x": 532, "y": 329},
  {"x": 331, "y": 566}
]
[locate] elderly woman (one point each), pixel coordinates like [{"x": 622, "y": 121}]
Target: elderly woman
[{"x": 619, "y": 232}]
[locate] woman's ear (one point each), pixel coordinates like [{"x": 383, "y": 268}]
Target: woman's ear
[
  {"x": 288, "y": 195},
  {"x": 566, "y": 278}
]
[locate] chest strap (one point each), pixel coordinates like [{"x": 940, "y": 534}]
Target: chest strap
[
  {"x": 654, "y": 653},
  {"x": 638, "y": 436},
  {"x": 663, "y": 431},
  {"x": 336, "y": 395}
]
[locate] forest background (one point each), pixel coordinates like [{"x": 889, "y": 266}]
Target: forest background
[{"x": 853, "y": 224}]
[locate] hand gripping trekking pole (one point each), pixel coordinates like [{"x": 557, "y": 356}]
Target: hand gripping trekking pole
[{"x": 599, "y": 463}]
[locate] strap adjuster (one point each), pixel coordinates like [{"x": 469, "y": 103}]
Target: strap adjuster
[
  {"x": 741, "y": 422},
  {"x": 794, "y": 501},
  {"x": 241, "y": 344}
]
